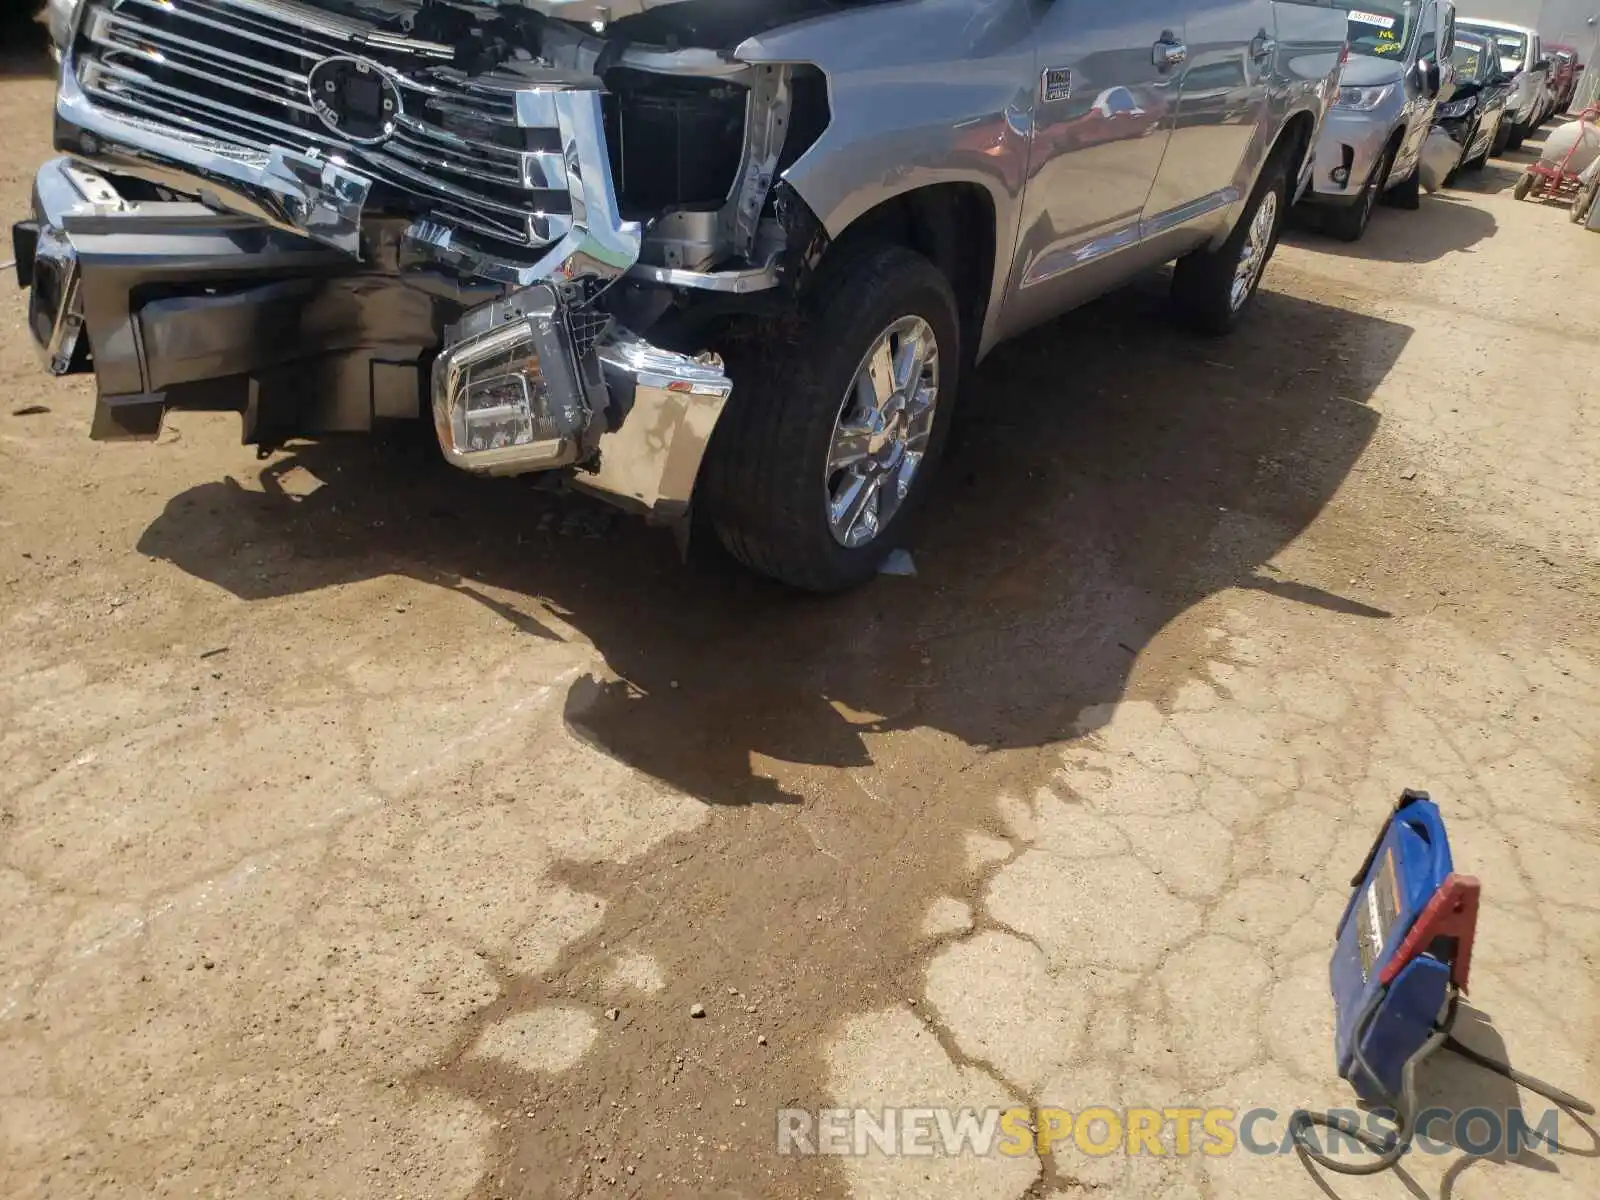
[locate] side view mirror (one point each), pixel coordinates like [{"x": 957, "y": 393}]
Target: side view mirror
[
  {"x": 1501, "y": 79},
  {"x": 1542, "y": 65},
  {"x": 1428, "y": 80}
]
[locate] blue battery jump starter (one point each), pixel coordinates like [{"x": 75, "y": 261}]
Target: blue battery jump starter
[{"x": 1400, "y": 963}]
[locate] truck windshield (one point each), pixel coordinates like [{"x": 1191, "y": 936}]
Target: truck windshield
[{"x": 1381, "y": 32}]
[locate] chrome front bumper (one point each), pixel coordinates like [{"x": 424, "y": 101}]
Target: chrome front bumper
[
  {"x": 184, "y": 307},
  {"x": 279, "y": 294}
]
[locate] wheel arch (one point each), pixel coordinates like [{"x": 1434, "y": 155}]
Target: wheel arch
[
  {"x": 1295, "y": 140},
  {"x": 1392, "y": 145},
  {"x": 956, "y": 227}
]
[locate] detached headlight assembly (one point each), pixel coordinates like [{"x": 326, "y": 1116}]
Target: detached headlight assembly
[
  {"x": 1457, "y": 108},
  {"x": 1363, "y": 99}
]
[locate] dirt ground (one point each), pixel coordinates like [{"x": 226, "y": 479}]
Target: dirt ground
[{"x": 368, "y": 830}]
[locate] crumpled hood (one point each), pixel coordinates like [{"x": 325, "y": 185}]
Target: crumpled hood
[{"x": 1368, "y": 70}]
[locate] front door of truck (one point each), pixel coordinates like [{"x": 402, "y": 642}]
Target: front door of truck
[
  {"x": 1107, "y": 90},
  {"x": 1215, "y": 144}
]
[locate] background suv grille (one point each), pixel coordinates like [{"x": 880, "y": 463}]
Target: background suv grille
[{"x": 230, "y": 76}]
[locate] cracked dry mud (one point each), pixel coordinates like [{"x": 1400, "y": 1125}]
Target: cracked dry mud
[{"x": 364, "y": 834}]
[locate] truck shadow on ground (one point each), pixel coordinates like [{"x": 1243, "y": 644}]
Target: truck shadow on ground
[
  {"x": 24, "y": 41},
  {"x": 1114, "y": 473},
  {"x": 1443, "y": 225},
  {"x": 1498, "y": 175}
]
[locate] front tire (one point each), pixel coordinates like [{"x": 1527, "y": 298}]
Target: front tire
[
  {"x": 1212, "y": 289},
  {"x": 1523, "y": 186},
  {"x": 1349, "y": 223},
  {"x": 1407, "y": 195},
  {"x": 835, "y": 426}
]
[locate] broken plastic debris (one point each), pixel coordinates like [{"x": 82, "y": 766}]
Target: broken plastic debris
[{"x": 898, "y": 563}]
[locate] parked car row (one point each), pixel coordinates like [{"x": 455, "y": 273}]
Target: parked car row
[
  {"x": 1522, "y": 59},
  {"x": 1370, "y": 147},
  {"x": 1416, "y": 66},
  {"x": 1565, "y": 68}
]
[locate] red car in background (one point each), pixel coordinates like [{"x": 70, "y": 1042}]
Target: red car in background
[{"x": 1564, "y": 68}]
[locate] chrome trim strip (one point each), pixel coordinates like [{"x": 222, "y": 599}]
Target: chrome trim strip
[
  {"x": 651, "y": 461},
  {"x": 272, "y": 189},
  {"x": 112, "y": 63},
  {"x": 740, "y": 282},
  {"x": 1055, "y": 262},
  {"x": 162, "y": 78},
  {"x": 245, "y": 30},
  {"x": 105, "y": 19},
  {"x": 421, "y": 152},
  {"x": 55, "y": 301},
  {"x": 599, "y": 246},
  {"x": 1189, "y": 211}
]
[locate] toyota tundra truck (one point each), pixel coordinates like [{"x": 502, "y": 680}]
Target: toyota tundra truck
[{"x": 726, "y": 263}]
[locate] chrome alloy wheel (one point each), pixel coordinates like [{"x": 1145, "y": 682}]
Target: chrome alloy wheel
[
  {"x": 1253, "y": 254},
  {"x": 881, "y": 433}
]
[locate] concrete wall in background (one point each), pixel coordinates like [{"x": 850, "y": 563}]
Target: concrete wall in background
[{"x": 1557, "y": 20}]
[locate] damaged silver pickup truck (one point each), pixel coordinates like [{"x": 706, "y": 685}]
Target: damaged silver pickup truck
[{"x": 727, "y": 256}]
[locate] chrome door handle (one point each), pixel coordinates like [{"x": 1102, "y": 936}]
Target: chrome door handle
[
  {"x": 1262, "y": 46},
  {"x": 1168, "y": 53}
]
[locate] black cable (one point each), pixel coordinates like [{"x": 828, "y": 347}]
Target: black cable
[
  {"x": 1387, "y": 1152},
  {"x": 1539, "y": 1086}
]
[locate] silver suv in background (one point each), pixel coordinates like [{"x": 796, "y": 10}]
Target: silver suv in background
[
  {"x": 737, "y": 256},
  {"x": 1521, "y": 57},
  {"x": 1371, "y": 146}
]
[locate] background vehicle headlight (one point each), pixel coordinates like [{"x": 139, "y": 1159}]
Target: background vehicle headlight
[
  {"x": 60, "y": 14},
  {"x": 1363, "y": 99},
  {"x": 1457, "y": 108}
]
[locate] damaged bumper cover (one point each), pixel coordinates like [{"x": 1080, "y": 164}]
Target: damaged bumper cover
[
  {"x": 188, "y": 308},
  {"x": 202, "y": 264}
]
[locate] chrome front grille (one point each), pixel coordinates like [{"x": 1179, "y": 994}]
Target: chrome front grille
[{"x": 232, "y": 78}]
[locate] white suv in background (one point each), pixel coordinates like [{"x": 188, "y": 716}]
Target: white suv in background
[{"x": 1522, "y": 57}]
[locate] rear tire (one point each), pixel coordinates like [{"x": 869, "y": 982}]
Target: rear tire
[
  {"x": 1212, "y": 289},
  {"x": 766, "y": 485}
]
